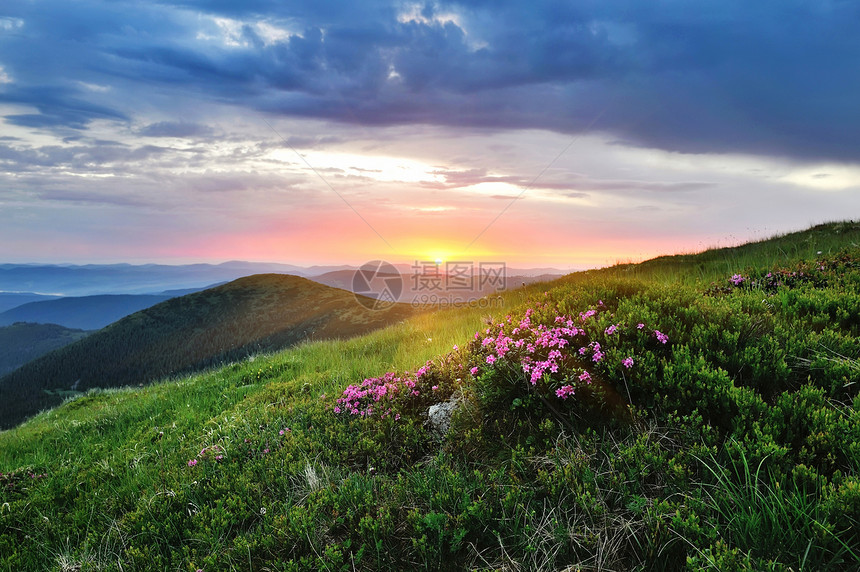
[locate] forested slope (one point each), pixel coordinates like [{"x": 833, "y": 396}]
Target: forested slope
[{"x": 259, "y": 313}]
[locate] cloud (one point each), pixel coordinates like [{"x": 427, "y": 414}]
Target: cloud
[
  {"x": 679, "y": 107},
  {"x": 770, "y": 79},
  {"x": 57, "y": 106},
  {"x": 89, "y": 197},
  {"x": 176, "y": 129},
  {"x": 572, "y": 185}
]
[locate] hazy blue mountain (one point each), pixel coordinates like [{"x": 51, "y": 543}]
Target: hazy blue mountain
[
  {"x": 91, "y": 279},
  {"x": 9, "y": 300},
  {"x": 82, "y": 312}
]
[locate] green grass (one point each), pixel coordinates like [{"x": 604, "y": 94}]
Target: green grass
[
  {"x": 714, "y": 264},
  {"x": 733, "y": 446}
]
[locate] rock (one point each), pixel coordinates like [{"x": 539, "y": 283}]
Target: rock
[{"x": 439, "y": 415}]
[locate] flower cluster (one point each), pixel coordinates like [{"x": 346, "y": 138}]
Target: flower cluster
[
  {"x": 555, "y": 356},
  {"x": 11, "y": 479},
  {"x": 363, "y": 399},
  {"x": 215, "y": 452},
  {"x": 817, "y": 273}
]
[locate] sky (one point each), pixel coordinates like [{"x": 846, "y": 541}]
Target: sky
[{"x": 570, "y": 134}]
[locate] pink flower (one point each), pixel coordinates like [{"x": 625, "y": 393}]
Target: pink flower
[
  {"x": 627, "y": 362},
  {"x": 474, "y": 370},
  {"x": 491, "y": 359},
  {"x": 585, "y": 315},
  {"x": 610, "y": 330},
  {"x": 192, "y": 462},
  {"x": 564, "y": 392},
  {"x": 661, "y": 337},
  {"x": 640, "y": 326},
  {"x": 435, "y": 387},
  {"x": 456, "y": 347},
  {"x": 585, "y": 376}
]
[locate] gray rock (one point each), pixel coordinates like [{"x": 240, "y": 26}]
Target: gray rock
[{"x": 439, "y": 415}]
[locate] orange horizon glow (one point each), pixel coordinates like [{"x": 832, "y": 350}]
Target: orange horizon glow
[{"x": 321, "y": 248}]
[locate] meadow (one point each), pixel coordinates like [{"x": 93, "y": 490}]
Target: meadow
[{"x": 695, "y": 412}]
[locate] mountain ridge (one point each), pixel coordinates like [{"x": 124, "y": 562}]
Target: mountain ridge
[{"x": 249, "y": 315}]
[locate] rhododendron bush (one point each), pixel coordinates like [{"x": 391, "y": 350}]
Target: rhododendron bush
[{"x": 544, "y": 353}]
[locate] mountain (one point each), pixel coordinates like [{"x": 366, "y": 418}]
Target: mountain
[
  {"x": 426, "y": 289},
  {"x": 84, "y": 312},
  {"x": 9, "y": 300},
  {"x": 21, "y": 343},
  {"x": 254, "y": 314},
  {"x": 91, "y": 279}
]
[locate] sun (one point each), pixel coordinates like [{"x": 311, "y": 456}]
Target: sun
[{"x": 438, "y": 257}]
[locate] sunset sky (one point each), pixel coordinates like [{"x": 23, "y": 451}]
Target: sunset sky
[{"x": 570, "y": 134}]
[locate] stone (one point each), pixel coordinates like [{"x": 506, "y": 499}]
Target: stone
[{"x": 439, "y": 415}]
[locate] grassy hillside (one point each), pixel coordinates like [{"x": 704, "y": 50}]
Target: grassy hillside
[
  {"x": 230, "y": 322},
  {"x": 81, "y": 312},
  {"x": 821, "y": 240},
  {"x": 20, "y": 343},
  {"x": 619, "y": 419}
]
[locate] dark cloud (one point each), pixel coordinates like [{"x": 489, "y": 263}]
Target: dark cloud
[
  {"x": 90, "y": 197},
  {"x": 176, "y": 129},
  {"x": 91, "y": 158},
  {"x": 772, "y": 77},
  {"x": 57, "y": 106}
]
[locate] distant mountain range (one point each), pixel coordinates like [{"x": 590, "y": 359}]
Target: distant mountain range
[
  {"x": 86, "y": 312},
  {"x": 13, "y": 300},
  {"x": 420, "y": 289},
  {"x": 254, "y": 314},
  {"x": 92, "y": 279},
  {"x": 71, "y": 280}
]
